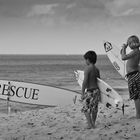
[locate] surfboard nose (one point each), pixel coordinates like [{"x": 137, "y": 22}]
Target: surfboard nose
[
  {"x": 76, "y": 75},
  {"x": 107, "y": 46}
]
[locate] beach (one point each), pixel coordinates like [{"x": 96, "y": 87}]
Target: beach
[
  {"x": 68, "y": 123},
  {"x": 33, "y": 122},
  {"x": 43, "y": 43}
]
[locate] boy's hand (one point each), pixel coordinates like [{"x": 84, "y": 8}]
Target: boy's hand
[{"x": 124, "y": 46}]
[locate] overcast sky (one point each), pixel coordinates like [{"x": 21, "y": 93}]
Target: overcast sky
[{"x": 65, "y": 26}]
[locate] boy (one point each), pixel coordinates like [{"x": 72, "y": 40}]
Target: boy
[
  {"x": 90, "y": 91},
  {"x": 132, "y": 69}
]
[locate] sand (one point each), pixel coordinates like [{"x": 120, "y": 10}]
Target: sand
[{"x": 68, "y": 123}]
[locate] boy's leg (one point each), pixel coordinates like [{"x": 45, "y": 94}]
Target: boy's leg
[
  {"x": 137, "y": 105},
  {"x": 89, "y": 120},
  {"x": 94, "y": 113},
  {"x": 94, "y": 116}
]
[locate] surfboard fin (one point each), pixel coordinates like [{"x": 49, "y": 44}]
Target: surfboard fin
[
  {"x": 74, "y": 100},
  {"x": 123, "y": 109}
]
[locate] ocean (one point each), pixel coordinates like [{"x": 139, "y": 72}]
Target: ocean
[{"x": 55, "y": 70}]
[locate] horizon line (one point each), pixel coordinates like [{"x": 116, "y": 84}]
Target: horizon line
[{"x": 44, "y": 54}]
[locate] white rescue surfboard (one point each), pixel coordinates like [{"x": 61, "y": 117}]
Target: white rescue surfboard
[
  {"x": 113, "y": 53},
  {"x": 37, "y": 94},
  {"x": 109, "y": 97}
]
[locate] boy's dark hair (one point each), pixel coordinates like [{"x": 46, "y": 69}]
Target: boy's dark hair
[
  {"x": 135, "y": 38},
  {"x": 91, "y": 56}
]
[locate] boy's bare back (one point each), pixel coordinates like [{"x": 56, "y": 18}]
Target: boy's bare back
[{"x": 91, "y": 72}]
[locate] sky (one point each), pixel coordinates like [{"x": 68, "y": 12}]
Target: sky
[{"x": 66, "y": 26}]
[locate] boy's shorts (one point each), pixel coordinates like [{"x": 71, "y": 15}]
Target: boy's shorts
[
  {"x": 134, "y": 84},
  {"x": 91, "y": 100}
]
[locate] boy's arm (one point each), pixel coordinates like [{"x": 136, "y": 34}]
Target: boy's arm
[
  {"x": 125, "y": 56},
  {"x": 85, "y": 82},
  {"x": 98, "y": 73},
  {"x": 123, "y": 51}
]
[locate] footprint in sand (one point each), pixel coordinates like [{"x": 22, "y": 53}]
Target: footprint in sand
[{"x": 76, "y": 128}]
